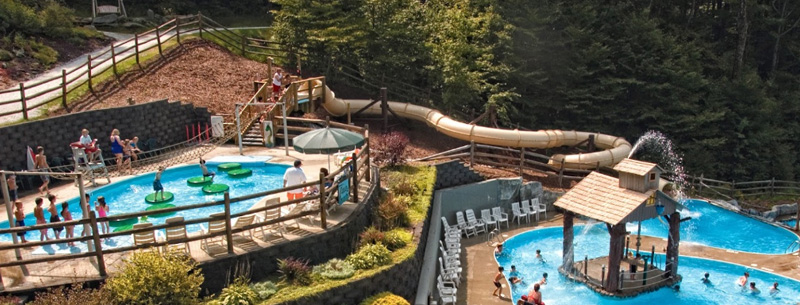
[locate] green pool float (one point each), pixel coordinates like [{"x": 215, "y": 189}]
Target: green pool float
[
  {"x": 124, "y": 228},
  {"x": 228, "y": 166},
  {"x": 215, "y": 188},
  {"x": 198, "y": 181},
  {"x": 152, "y": 199},
  {"x": 240, "y": 173},
  {"x": 159, "y": 207},
  {"x": 123, "y": 222}
]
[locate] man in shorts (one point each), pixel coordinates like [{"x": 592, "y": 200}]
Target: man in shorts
[
  {"x": 277, "y": 84},
  {"x": 294, "y": 176}
]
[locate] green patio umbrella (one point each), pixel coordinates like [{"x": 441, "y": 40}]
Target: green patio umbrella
[{"x": 327, "y": 141}]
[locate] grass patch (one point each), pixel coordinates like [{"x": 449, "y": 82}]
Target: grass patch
[{"x": 422, "y": 178}]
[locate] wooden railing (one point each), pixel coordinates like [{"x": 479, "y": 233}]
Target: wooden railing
[
  {"x": 742, "y": 190},
  {"x": 356, "y": 171}
]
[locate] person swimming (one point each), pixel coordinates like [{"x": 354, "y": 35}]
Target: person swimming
[
  {"x": 513, "y": 276},
  {"x": 498, "y": 249},
  {"x": 705, "y": 279},
  {"x": 543, "y": 281},
  {"x": 742, "y": 281},
  {"x": 774, "y": 290},
  {"x": 753, "y": 289}
]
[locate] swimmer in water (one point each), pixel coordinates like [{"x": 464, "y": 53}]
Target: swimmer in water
[
  {"x": 498, "y": 250},
  {"x": 705, "y": 279},
  {"x": 753, "y": 289},
  {"x": 543, "y": 281},
  {"x": 742, "y": 281},
  {"x": 539, "y": 256},
  {"x": 774, "y": 290},
  {"x": 513, "y": 276}
]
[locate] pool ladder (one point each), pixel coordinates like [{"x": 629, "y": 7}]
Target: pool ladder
[
  {"x": 795, "y": 245},
  {"x": 494, "y": 237}
]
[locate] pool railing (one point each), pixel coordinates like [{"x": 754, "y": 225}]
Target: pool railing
[{"x": 364, "y": 171}]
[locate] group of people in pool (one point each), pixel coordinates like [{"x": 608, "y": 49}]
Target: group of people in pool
[
  {"x": 55, "y": 217},
  {"x": 534, "y": 296},
  {"x": 742, "y": 282}
]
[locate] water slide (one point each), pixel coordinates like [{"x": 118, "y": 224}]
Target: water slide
[{"x": 614, "y": 149}]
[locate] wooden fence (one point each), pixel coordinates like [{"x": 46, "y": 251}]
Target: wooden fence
[
  {"x": 363, "y": 173},
  {"x": 742, "y": 190}
]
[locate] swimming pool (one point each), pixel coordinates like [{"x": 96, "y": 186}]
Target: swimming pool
[
  {"x": 593, "y": 241},
  {"x": 716, "y": 227},
  {"x": 127, "y": 196}
]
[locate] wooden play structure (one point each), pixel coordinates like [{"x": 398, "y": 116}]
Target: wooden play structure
[{"x": 633, "y": 197}]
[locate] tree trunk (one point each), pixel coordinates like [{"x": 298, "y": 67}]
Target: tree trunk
[
  {"x": 774, "y": 66},
  {"x": 741, "y": 28},
  {"x": 567, "y": 251},
  {"x": 615, "y": 251}
]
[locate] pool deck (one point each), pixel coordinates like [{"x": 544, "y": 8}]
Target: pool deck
[
  {"x": 84, "y": 269},
  {"x": 480, "y": 266}
]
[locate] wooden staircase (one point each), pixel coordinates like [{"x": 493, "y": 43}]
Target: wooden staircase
[{"x": 253, "y": 135}]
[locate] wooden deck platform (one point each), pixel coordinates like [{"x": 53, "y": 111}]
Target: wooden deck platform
[{"x": 591, "y": 273}]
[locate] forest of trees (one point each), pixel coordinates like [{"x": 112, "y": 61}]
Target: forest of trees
[{"x": 721, "y": 78}]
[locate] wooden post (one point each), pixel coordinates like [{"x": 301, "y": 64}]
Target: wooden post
[
  {"x": 586, "y": 266},
  {"x": 178, "y": 29},
  {"x": 324, "y": 94},
  {"x": 9, "y": 211},
  {"x": 772, "y": 187},
  {"x": 566, "y": 246},
  {"x": 64, "y": 89},
  {"x": 310, "y": 85},
  {"x": 521, "y": 160},
  {"x": 158, "y": 41},
  {"x": 200, "y": 23},
  {"x": 701, "y": 183},
  {"x": 673, "y": 243},
  {"x": 244, "y": 44},
  {"x": 733, "y": 189},
  {"x": 797, "y": 217},
  {"x": 136, "y": 48},
  {"x": 471, "y": 153},
  {"x": 366, "y": 154},
  {"x": 89, "y": 71},
  {"x": 384, "y": 108},
  {"x": 98, "y": 248},
  {"x": 22, "y": 99},
  {"x": 114, "y": 60},
  {"x": 616, "y": 246},
  {"x": 322, "y": 202},
  {"x": 354, "y": 191},
  {"x": 228, "y": 233},
  {"x": 603, "y": 275},
  {"x": 561, "y": 174}
]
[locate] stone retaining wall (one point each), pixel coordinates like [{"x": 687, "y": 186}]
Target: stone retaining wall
[{"x": 161, "y": 120}]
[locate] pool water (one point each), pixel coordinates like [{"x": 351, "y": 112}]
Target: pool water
[
  {"x": 593, "y": 241},
  {"x": 127, "y": 196},
  {"x": 716, "y": 227}
]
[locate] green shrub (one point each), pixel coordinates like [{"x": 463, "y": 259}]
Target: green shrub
[
  {"x": 264, "y": 290},
  {"x": 295, "y": 271},
  {"x": 371, "y": 236},
  {"x": 335, "y": 269},
  {"x": 238, "y": 293},
  {"x": 370, "y": 256},
  {"x": 57, "y": 20},
  {"x": 392, "y": 211},
  {"x": 397, "y": 238},
  {"x": 16, "y": 17},
  {"x": 74, "y": 295},
  {"x": 385, "y": 298},
  {"x": 152, "y": 278},
  {"x": 5, "y": 56},
  {"x": 403, "y": 187}
]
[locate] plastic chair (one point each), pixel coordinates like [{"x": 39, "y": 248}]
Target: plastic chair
[
  {"x": 499, "y": 216},
  {"x": 479, "y": 226},
  {"x": 527, "y": 209},
  {"x": 214, "y": 226},
  {"x": 486, "y": 217},
  {"x": 450, "y": 230},
  {"x": 270, "y": 215},
  {"x": 539, "y": 207},
  {"x": 144, "y": 238},
  {"x": 467, "y": 228},
  {"x": 517, "y": 213},
  {"x": 242, "y": 222},
  {"x": 177, "y": 232}
]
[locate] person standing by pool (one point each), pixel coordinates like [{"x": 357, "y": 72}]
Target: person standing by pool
[
  {"x": 102, "y": 210},
  {"x": 40, "y": 162},
  {"x": 743, "y": 280},
  {"x": 19, "y": 215},
  {"x": 277, "y": 84},
  {"x": 157, "y": 187},
  {"x": 294, "y": 176},
  {"x": 67, "y": 217},
  {"x": 498, "y": 290},
  {"x": 116, "y": 146},
  {"x": 11, "y": 181},
  {"x": 206, "y": 172},
  {"x": 54, "y": 215},
  {"x": 38, "y": 212},
  {"x": 135, "y": 150}
]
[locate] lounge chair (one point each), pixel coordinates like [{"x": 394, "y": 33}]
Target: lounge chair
[
  {"x": 177, "y": 232},
  {"x": 242, "y": 222},
  {"x": 144, "y": 238},
  {"x": 296, "y": 210},
  {"x": 214, "y": 226},
  {"x": 270, "y": 215}
]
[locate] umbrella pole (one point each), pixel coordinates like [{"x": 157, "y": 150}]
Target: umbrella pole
[{"x": 329, "y": 162}]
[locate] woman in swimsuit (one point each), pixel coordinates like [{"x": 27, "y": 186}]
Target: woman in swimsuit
[
  {"x": 102, "y": 210},
  {"x": 54, "y": 216},
  {"x": 116, "y": 145},
  {"x": 38, "y": 212},
  {"x": 67, "y": 217}
]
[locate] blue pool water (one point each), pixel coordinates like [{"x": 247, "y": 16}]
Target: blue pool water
[
  {"x": 791, "y": 223},
  {"x": 127, "y": 196},
  {"x": 716, "y": 227},
  {"x": 593, "y": 241}
]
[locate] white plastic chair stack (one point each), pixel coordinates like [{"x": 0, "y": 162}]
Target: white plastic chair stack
[
  {"x": 468, "y": 229},
  {"x": 479, "y": 226},
  {"x": 447, "y": 290},
  {"x": 488, "y": 220},
  {"x": 499, "y": 216},
  {"x": 539, "y": 207},
  {"x": 527, "y": 209},
  {"x": 518, "y": 214},
  {"x": 450, "y": 259}
]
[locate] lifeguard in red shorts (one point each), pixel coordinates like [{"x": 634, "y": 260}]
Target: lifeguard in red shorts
[{"x": 277, "y": 82}]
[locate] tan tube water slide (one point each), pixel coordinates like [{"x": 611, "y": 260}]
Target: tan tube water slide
[{"x": 614, "y": 148}]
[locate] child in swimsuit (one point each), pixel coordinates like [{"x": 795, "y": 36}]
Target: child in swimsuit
[
  {"x": 54, "y": 216},
  {"x": 19, "y": 214},
  {"x": 12, "y": 187},
  {"x": 498, "y": 290},
  {"x": 102, "y": 210},
  {"x": 38, "y": 212},
  {"x": 157, "y": 187},
  {"x": 41, "y": 165},
  {"x": 67, "y": 217},
  {"x": 206, "y": 172}
]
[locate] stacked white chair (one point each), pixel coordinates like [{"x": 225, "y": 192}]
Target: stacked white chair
[
  {"x": 450, "y": 259},
  {"x": 467, "y": 228},
  {"x": 539, "y": 207},
  {"x": 499, "y": 216},
  {"x": 527, "y": 209},
  {"x": 480, "y": 226},
  {"x": 488, "y": 220},
  {"x": 447, "y": 290},
  {"x": 517, "y": 213}
]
